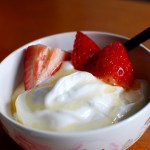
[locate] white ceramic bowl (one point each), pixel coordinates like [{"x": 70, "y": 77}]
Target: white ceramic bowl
[{"x": 119, "y": 136}]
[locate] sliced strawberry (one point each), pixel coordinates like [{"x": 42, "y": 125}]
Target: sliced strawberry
[
  {"x": 114, "y": 66},
  {"x": 41, "y": 62},
  {"x": 83, "y": 51}
]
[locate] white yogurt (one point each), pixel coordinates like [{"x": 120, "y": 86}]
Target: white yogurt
[{"x": 75, "y": 101}]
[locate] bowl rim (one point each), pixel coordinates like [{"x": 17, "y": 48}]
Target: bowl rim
[{"x": 75, "y": 133}]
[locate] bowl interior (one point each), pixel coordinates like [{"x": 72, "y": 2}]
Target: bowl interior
[{"x": 12, "y": 66}]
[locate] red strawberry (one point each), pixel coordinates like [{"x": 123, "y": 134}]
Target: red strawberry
[
  {"x": 83, "y": 51},
  {"x": 41, "y": 62},
  {"x": 114, "y": 66}
]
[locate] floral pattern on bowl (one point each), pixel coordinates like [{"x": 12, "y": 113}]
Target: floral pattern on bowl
[{"x": 27, "y": 143}]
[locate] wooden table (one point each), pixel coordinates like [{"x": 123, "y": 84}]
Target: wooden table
[{"x": 27, "y": 20}]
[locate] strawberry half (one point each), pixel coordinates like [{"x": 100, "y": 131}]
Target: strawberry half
[
  {"x": 114, "y": 66},
  {"x": 41, "y": 62},
  {"x": 83, "y": 51}
]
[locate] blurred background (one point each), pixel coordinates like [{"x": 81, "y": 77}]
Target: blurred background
[{"x": 22, "y": 21}]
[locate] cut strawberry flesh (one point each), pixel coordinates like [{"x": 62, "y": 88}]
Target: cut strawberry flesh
[{"x": 41, "y": 62}]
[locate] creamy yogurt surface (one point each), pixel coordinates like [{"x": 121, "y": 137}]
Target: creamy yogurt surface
[{"x": 73, "y": 100}]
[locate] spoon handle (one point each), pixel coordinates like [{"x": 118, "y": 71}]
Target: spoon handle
[{"x": 138, "y": 39}]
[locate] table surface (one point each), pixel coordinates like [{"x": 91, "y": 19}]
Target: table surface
[{"x": 26, "y": 20}]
